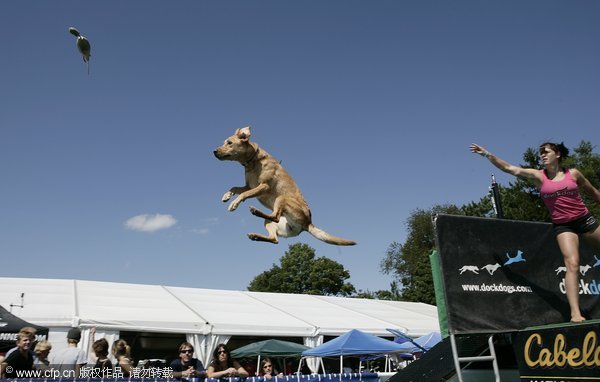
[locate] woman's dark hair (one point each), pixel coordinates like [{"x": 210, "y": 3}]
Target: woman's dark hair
[
  {"x": 215, "y": 360},
  {"x": 559, "y": 148},
  {"x": 218, "y": 349},
  {"x": 100, "y": 347}
]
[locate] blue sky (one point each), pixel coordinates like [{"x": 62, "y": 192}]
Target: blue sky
[{"x": 370, "y": 105}]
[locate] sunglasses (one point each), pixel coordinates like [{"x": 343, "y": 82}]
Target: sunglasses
[
  {"x": 188, "y": 351},
  {"x": 265, "y": 366},
  {"x": 221, "y": 352}
]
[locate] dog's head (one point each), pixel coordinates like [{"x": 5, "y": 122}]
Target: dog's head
[{"x": 237, "y": 147}]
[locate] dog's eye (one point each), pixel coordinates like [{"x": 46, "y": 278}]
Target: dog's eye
[{"x": 229, "y": 143}]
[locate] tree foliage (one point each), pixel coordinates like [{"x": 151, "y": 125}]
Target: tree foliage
[
  {"x": 588, "y": 163},
  {"x": 409, "y": 262},
  {"x": 300, "y": 272},
  {"x": 393, "y": 294}
]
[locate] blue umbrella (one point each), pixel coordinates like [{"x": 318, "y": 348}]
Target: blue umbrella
[{"x": 423, "y": 343}]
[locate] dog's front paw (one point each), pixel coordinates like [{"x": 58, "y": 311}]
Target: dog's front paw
[
  {"x": 233, "y": 206},
  {"x": 227, "y": 196}
]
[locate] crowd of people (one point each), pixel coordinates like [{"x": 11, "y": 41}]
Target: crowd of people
[
  {"x": 72, "y": 361},
  {"x": 26, "y": 357},
  {"x": 221, "y": 366}
]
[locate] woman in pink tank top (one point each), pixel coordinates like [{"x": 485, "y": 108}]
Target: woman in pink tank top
[{"x": 559, "y": 190}]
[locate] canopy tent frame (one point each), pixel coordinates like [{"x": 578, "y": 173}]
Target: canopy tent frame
[{"x": 352, "y": 343}]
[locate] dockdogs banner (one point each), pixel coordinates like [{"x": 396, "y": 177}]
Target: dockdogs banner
[{"x": 504, "y": 275}]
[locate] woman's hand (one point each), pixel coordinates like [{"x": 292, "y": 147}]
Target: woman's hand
[{"x": 476, "y": 149}]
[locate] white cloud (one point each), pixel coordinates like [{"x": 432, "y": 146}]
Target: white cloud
[
  {"x": 211, "y": 221},
  {"x": 206, "y": 223},
  {"x": 150, "y": 223},
  {"x": 201, "y": 231}
]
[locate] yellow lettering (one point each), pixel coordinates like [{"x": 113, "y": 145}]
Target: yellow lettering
[
  {"x": 587, "y": 355},
  {"x": 589, "y": 348},
  {"x": 546, "y": 358},
  {"x": 527, "y": 351},
  {"x": 559, "y": 351},
  {"x": 574, "y": 359}
]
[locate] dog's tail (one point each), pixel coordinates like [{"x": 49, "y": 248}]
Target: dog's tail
[{"x": 329, "y": 239}]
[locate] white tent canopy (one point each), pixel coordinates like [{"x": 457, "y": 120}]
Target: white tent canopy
[{"x": 207, "y": 316}]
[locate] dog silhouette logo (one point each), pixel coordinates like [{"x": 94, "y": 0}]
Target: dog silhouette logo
[
  {"x": 517, "y": 259},
  {"x": 471, "y": 268},
  {"x": 491, "y": 268},
  {"x": 582, "y": 269}
]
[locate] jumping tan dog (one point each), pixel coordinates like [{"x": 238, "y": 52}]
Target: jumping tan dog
[{"x": 267, "y": 181}]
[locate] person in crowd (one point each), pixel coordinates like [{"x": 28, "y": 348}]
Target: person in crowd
[
  {"x": 42, "y": 350},
  {"x": 98, "y": 353},
  {"x": 223, "y": 366},
  {"x": 70, "y": 358},
  {"x": 20, "y": 359},
  {"x": 186, "y": 366},
  {"x": 31, "y": 331},
  {"x": 559, "y": 189},
  {"x": 267, "y": 370},
  {"x": 100, "y": 349},
  {"x": 249, "y": 364},
  {"x": 122, "y": 353}
]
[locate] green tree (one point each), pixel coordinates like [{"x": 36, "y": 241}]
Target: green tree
[
  {"x": 300, "y": 272},
  {"x": 409, "y": 262},
  {"x": 588, "y": 163},
  {"x": 393, "y": 294}
]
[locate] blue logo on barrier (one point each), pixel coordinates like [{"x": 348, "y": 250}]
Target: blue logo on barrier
[{"x": 517, "y": 259}]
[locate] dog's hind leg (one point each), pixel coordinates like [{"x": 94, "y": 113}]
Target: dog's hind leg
[
  {"x": 274, "y": 216},
  {"x": 271, "y": 229}
]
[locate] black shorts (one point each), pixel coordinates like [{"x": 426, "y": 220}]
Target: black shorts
[{"x": 582, "y": 225}]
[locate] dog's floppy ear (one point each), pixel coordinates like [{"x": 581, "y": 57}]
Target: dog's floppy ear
[{"x": 243, "y": 133}]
